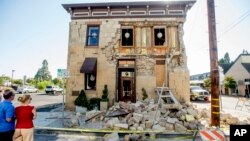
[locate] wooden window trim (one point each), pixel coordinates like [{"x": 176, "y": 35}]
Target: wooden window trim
[
  {"x": 92, "y": 46},
  {"x": 128, "y": 27},
  {"x": 153, "y": 37},
  {"x": 85, "y": 81}
]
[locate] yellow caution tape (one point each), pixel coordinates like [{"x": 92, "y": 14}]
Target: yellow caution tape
[
  {"x": 215, "y": 106},
  {"x": 109, "y": 130},
  {"x": 188, "y": 136},
  {"x": 215, "y": 99}
]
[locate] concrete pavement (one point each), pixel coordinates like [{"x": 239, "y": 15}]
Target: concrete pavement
[
  {"x": 41, "y": 99},
  {"x": 228, "y": 103}
]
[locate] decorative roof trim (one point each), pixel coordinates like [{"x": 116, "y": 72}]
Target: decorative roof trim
[{"x": 129, "y": 9}]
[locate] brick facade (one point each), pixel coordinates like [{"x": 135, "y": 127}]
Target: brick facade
[{"x": 151, "y": 65}]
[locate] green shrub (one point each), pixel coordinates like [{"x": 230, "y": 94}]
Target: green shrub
[
  {"x": 82, "y": 100},
  {"x": 42, "y": 84},
  {"x": 144, "y": 94},
  {"x": 93, "y": 102},
  {"x": 105, "y": 93}
]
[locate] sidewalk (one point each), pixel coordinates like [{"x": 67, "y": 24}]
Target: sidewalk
[{"x": 54, "y": 119}]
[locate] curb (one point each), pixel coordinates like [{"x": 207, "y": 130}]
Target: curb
[
  {"x": 101, "y": 133},
  {"x": 54, "y": 105}
]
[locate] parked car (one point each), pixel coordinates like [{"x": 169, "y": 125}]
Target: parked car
[
  {"x": 196, "y": 92},
  {"x": 53, "y": 89},
  {"x": 27, "y": 89}
]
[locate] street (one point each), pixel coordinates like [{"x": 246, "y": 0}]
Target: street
[
  {"x": 41, "y": 99},
  {"x": 228, "y": 104}
]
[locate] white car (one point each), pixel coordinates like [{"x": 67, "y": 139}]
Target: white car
[
  {"x": 27, "y": 89},
  {"x": 53, "y": 89},
  {"x": 196, "y": 92}
]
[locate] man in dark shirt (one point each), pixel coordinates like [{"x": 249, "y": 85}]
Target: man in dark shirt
[{"x": 246, "y": 93}]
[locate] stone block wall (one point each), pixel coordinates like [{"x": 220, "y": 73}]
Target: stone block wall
[
  {"x": 179, "y": 84},
  {"x": 107, "y": 54}
]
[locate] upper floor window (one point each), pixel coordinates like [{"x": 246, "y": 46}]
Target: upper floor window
[
  {"x": 93, "y": 36},
  {"x": 127, "y": 37},
  {"x": 159, "y": 36}
]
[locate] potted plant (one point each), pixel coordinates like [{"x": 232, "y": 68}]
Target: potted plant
[
  {"x": 104, "y": 101},
  {"x": 81, "y": 102},
  {"x": 144, "y": 94}
]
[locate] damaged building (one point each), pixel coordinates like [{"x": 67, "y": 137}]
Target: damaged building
[{"x": 128, "y": 46}]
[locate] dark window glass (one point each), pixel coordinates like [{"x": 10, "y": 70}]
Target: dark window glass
[
  {"x": 159, "y": 36},
  {"x": 93, "y": 36},
  {"x": 90, "y": 81},
  {"x": 127, "y": 37}
]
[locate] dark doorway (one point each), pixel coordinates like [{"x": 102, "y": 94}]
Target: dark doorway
[{"x": 126, "y": 86}]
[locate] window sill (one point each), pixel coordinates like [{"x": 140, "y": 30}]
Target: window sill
[
  {"x": 127, "y": 46},
  {"x": 91, "y": 46},
  {"x": 91, "y": 90},
  {"x": 160, "y": 46}
]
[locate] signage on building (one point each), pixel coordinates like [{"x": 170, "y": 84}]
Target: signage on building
[{"x": 62, "y": 73}]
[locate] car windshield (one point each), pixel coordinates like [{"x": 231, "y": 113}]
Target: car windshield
[
  {"x": 196, "y": 88},
  {"x": 49, "y": 87}
]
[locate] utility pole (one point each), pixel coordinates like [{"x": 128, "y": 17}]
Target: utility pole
[
  {"x": 214, "y": 71},
  {"x": 12, "y": 73}
]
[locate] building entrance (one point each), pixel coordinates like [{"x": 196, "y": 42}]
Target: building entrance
[{"x": 126, "y": 81}]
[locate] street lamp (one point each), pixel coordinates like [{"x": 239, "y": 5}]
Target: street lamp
[{"x": 12, "y": 76}]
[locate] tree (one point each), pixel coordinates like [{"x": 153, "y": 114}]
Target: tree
[
  {"x": 18, "y": 81},
  {"x": 3, "y": 79},
  {"x": 230, "y": 83},
  {"x": 207, "y": 83},
  {"x": 58, "y": 82},
  {"x": 31, "y": 81},
  {"x": 225, "y": 59},
  {"x": 43, "y": 73},
  {"x": 41, "y": 85}
]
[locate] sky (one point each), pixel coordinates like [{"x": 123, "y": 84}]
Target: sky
[{"x": 31, "y": 31}]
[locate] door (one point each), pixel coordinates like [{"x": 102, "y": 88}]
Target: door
[{"x": 127, "y": 93}]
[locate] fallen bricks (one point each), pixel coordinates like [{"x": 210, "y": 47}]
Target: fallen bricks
[{"x": 139, "y": 116}]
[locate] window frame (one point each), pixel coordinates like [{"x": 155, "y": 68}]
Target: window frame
[
  {"x": 87, "y": 36},
  {"x": 165, "y": 34},
  {"x": 86, "y": 82},
  {"x": 133, "y": 37}
]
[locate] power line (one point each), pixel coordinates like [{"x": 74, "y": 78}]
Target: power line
[
  {"x": 240, "y": 19},
  {"x": 194, "y": 21},
  {"x": 230, "y": 27}
]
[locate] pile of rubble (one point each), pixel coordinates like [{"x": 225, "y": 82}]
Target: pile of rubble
[{"x": 148, "y": 116}]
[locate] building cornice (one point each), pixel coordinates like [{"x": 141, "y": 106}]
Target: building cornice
[{"x": 161, "y": 9}]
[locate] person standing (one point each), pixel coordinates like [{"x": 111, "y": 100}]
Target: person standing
[
  {"x": 246, "y": 93},
  {"x": 1, "y": 91},
  {"x": 7, "y": 116},
  {"x": 25, "y": 113}
]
